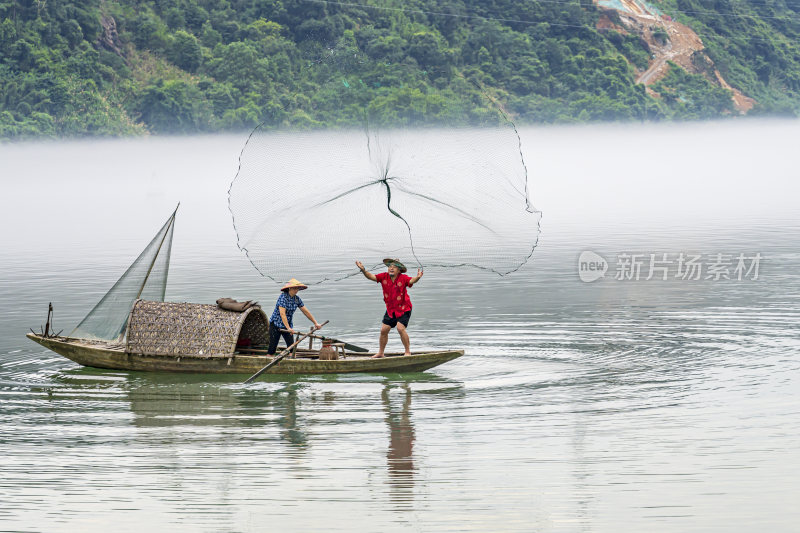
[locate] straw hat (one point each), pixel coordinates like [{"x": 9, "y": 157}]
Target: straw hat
[
  {"x": 294, "y": 284},
  {"x": 390, "y": 261}
]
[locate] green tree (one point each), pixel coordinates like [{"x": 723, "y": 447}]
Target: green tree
[
  {"x": 72, "y": 32},
  {"x": 240, "y": 64},
  {"x": 185, "y": 51},
  {"x": 171, "y": 106}
]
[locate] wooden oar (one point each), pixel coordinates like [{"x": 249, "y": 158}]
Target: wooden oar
[
  {"x": 347, "y": 345},
  {"x": 277, "y": 359}
]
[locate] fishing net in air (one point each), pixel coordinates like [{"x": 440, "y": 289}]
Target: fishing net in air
[
  {"x": 146, "y": 278},
  {"x": 438, "y": 181}
]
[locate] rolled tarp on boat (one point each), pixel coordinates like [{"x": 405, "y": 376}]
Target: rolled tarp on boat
[{"x": 187, "y": 329}]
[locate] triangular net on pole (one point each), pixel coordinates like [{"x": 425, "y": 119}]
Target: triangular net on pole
[{"x": 146, "y": 278}]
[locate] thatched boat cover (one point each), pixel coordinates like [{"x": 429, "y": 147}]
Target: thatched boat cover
[{"x": 185, "y": 329}]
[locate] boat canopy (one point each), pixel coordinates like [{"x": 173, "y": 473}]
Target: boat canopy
[{"x": 186, "y": 329}]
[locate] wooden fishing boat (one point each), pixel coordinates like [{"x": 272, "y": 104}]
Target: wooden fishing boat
[
  {"x": 126, "y": 331},
  {"x": 100, "y": 354}
]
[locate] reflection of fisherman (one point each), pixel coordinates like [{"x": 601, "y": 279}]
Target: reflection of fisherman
[
  {"x": 401, "y": 432},
  {"x": 399, "y": 456},
  {"x": 287, "y": 419},
  {"x": 288, "y": 302},
  {"x": 398, "y": 305}
]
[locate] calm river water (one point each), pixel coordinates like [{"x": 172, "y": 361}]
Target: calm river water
[{"x": 611, "y": 405}]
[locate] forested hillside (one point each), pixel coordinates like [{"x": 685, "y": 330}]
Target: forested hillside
[{"x": 122, "y": 67}]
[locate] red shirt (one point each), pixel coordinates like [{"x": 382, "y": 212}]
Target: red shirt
[{"x": 395, "y": 293}]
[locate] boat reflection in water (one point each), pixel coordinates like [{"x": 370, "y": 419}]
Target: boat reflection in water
[
  {"x": 207, "y": 400},
  {"x": 308, "y": 439}
]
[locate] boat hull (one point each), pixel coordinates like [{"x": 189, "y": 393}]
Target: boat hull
[{"x": 99, "y": 356}]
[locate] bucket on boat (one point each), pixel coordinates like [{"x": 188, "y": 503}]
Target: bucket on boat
[{"x": 328, "y": 352}]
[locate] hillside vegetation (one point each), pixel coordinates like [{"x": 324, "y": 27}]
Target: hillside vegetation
[{"x": 122, "y": 67}]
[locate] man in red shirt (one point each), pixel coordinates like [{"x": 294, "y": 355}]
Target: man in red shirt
[{"x": 394, "y": 283}]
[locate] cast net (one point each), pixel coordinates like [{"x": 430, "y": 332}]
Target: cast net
[
  {"x": 435, "y": 177},
  {"x": 146, "y": 278}
]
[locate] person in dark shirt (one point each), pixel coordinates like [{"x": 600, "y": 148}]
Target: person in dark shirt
[
  {"x": 395, "y": 284},
  {"x": 288, "y": 302}
]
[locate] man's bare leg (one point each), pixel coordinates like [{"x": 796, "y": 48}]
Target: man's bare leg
[
  {"x": 401, "y": 329},
  {"x": 384, "y": 338}
]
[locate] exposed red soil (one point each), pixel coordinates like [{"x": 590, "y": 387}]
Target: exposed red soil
[{"x": 683, "y": 47}]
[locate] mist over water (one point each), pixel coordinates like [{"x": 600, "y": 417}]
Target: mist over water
[{"x": 615, "y": 405}]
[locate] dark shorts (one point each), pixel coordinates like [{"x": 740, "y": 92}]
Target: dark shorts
[{"x": 392, "y": 321}]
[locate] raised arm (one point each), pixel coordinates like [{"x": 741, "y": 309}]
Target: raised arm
[
  {"x": 367, "y": 274},
  {"x": 310, "y": 317},
  {"x": 415, "y": 278}
]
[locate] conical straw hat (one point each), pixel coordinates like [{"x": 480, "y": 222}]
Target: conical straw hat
[
  {"x": 390, "y": 261},
  {"x": 293, "y": 283}
]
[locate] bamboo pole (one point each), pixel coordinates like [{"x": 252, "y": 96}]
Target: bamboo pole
[
  {"x": 351, "y": 347},
  {"x": 279, "y": 358}
]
